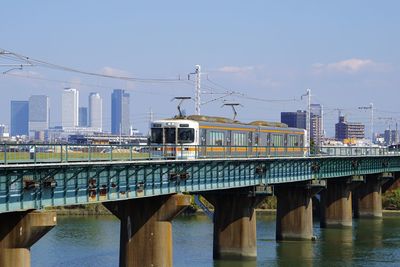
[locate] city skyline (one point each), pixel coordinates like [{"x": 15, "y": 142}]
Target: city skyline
[{"x": 273, "y": 52}]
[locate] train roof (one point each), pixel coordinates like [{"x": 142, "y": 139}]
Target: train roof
[
  {"x": 215, "y": 119},
  {"x": 229, "y": 123}
]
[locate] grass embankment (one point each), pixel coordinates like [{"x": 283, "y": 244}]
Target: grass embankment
[
  {"x": 390, "y": 201},
  {"x": 82, "y": 210}
]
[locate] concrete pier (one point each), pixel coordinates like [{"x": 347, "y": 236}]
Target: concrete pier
[
  {"x": 294, "y": 212},
  {"x": 369, "y": 198},
  {"x": 146, "y": 230},
  {"x": 19, "y": 231},
  {"x": 234, "y": 223},
  {"x": 336, "y": 204}
]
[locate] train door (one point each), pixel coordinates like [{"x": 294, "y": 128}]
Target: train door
[
  {"x": 250, "y": 144},
  {"x": 203, "y": 143},
  {"x": 170, "y": 142}
]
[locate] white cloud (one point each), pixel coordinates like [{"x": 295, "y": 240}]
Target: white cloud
[
  {"x": 114, "y": 72},
  {"x": 236, "y": 69},
  {"x": 352, "y": 65}
]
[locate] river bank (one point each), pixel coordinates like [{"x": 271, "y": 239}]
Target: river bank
[{"x": 99, "y": 209}]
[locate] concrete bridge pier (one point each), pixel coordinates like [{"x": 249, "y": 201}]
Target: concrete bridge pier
[
  {"x": 234, "y": 223},
  {"x": 146, "y": 229},
  {"x": 294, "y": 212},
  {"x": 336, "y": 204},
  {"x": 368, "y": 198},
  {"x": 19, "y": 231}
]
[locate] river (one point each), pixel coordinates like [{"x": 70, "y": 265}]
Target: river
[{"x": 94, "y": 241}]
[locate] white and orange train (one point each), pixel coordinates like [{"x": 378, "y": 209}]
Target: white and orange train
[{"x": 195, "y": 136}]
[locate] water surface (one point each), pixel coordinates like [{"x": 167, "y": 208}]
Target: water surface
[{"x": 94, "y": 241}]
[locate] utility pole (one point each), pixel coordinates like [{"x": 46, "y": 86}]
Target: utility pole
[
  {"x": 371, "y": 107},
  {"x": 308, "y": 118},
  {"x": 197, "y": 98}
]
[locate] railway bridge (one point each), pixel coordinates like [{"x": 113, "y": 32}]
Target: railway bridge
[{"x": 146, "y": 193}]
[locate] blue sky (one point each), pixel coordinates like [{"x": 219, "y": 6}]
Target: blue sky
[{"x": 345, "y": 51}]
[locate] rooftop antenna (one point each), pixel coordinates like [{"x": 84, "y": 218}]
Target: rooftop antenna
[
  {"x": 232, "y": 105},
  {"x": 181, "y": 98}
]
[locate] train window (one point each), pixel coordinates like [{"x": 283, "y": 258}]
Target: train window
[
  {"x": 185, "y": 135},
  {"x": 239, "y": 139},
  {"x": 170, "y": 135},
  {"x": 217, "y": 138},
  {"x": 277, "y": 140},
  {"x": 293, "y": 140},
  {"x": 156, "y": 135}
]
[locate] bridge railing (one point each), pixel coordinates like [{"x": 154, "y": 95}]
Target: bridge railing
[
  {"x": 52, "y": 153},
  {"x": 353, "y": 151}
]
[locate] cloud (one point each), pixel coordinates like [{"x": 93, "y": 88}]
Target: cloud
[
  {"x": 352, "y": 65},
  {"x": 114, "y": 72},
  {"x": 236, "y": 69}
]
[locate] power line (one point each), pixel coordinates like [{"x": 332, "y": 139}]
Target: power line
[{"x": 41, "y": 63}]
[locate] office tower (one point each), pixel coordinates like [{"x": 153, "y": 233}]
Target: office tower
[
  {"x": 96, "y": 111},
  {"x": 347, "y": 130},
  {"x": 83, "y": 117},
  {"x": 295, "y": 119},
  {"x": 19, "y": 118},
  {"x": 316, "y": 124},
  {"x": 391, "y": 137},
  {"x": 70, "y": 105},
  {"x": 39, "y": 113},
  {"x": 120, "y": 112}
]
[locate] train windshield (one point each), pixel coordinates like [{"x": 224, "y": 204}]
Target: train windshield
[
  {"x": 156, "y": 135},
  {"x": 170, "y": 135},
  {"x": 185, "y": 135}
]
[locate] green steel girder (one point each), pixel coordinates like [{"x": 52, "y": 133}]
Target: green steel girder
[{"x": 154, "y": 176}]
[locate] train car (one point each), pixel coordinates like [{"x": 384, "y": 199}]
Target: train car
[{"x": 196, "y": 136}]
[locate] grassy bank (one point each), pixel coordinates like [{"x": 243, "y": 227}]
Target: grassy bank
[{"x": 390, "y": 202}]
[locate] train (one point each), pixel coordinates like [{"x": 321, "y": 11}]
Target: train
[{"x": 197, "y": 136}]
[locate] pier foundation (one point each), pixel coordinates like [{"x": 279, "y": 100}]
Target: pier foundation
[
  {"x": 368, "y": 202},
  {"x": 19, "y": 231},
  {"x": 146, "y": 230},
  {"x": 294, "y": 212},
  {"x": 234, "y": 223},
  {"x": 336, "y": 204}
]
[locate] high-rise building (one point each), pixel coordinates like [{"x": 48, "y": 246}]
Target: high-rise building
[
  {"x": 70, "y": 106},
  {"x": 316, "y": 124},
  {"x": 347, "y": 130},
  {"x": 96, "y": 111},
  {"x": 391, "y": 137},
  {"x": 39, "y": 113},
  {"x": 120, "y": 112},
  {"x": 83, "y": 117},
  {"x": 295, "y": 119},
  {"x": 19, "y": 118}
]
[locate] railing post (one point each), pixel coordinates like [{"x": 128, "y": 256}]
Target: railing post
[
  {"x": 66, "y": 152},
  {"x": 89, "y": 153},
  {"x": 34, "y": 154},
  {"x": 111, "y": 152},
  {"x": 5, "y": 153},
  {"x": 130, "y": 152},
  {"x": 61, "y": 152}
]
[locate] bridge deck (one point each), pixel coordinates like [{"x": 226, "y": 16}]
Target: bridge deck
[{"x": 35, "y": 185}]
